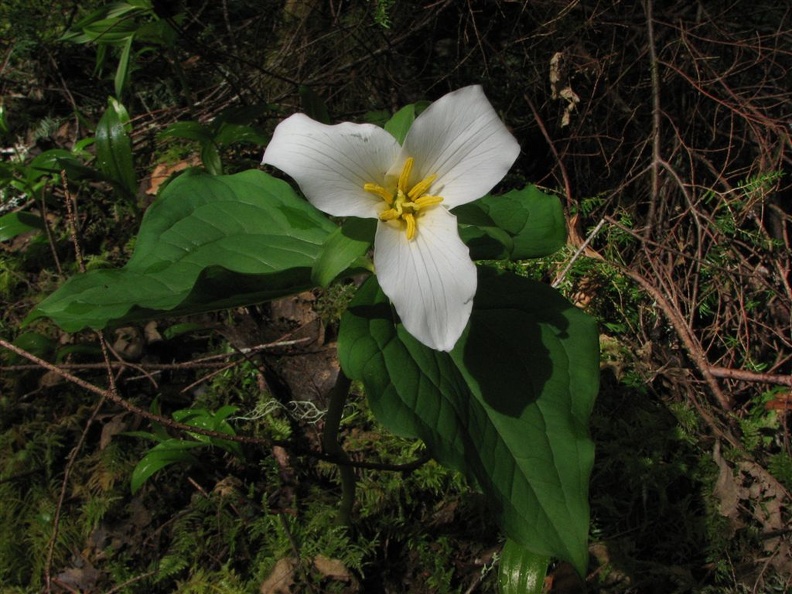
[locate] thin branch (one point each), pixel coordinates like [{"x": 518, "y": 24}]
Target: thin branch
[
  {"x": 176, "y": 426},
  {"x": 551, "y": 144},
  {"x": 683, "y": 332},
  {"x": 579, "y": 251},
  {"x": 62, "y": 497},
  {"x": 751, "y": 376},
  {"x": 655, "y": 165}
]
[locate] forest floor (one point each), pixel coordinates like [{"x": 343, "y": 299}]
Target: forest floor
[{"x": 665, "y": 130}]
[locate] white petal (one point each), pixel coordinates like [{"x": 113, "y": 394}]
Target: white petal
[
  {"x": 430, "y": 280},
  {"x": 332, "y": 163},
  {"x": 462, "y": 140}
]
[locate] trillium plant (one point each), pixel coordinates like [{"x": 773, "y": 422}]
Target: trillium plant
[
  {"x": 454, "y": 153},
  {"x": 494, "y": 372}
]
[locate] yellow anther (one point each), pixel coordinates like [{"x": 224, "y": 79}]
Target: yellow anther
[
  {"x": 427, "y": 200},
  {"x": 404, "y": 178},
  {"x": 379, "y": 191},
  {"x": 405, "y": 202},
  {"x": 421, "y": 187}
]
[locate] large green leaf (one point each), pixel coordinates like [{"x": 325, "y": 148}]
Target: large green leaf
[
  {"x": 508, "y": 406},
  {"x": 520, "y": 224},
  {"x": 208, "y": 242},
  {"x": 345, "y": 248}
]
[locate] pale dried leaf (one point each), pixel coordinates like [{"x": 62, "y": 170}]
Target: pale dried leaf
[
  {"x": 112, "y": 428},
  {"x": 332, "y": 568},
  {"x": 164, "y": 170},
  {"x": 281, "y": 578},
  {"x": 726, "y": 490}
]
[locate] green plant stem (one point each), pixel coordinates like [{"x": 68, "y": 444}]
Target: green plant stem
[{"x": 335, "y": 410}]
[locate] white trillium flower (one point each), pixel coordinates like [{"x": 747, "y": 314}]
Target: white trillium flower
[{"x": 454, "y": 153}]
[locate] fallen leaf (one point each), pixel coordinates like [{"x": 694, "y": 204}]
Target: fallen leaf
[
  {"x": 726, "y": 490},
  {"x": 164, "y": 170},
  {"x": 112, "y": 428},
  {"x": 82, "y": 579},
  {"x": 332, "y": 568},
  {"x": 281, "y": 578}
]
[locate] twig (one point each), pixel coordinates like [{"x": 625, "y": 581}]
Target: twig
[
  {"x": 78, "y": 447},
  {"x": 655, "y": 78},
  {"x": 577, "y": 253},
  {"x": 116, "y": 398},
  {"x": 682, "y": 330},
  {"x": 62, "y": 497},
  {"x": 176, "y": 426},
  {"x": 295, "y": 550},
  {"x": 48, "y": 231},
  {"x": 208, "y": 362},
  {"x": 130, "y": 581},
  {"x": 71, "y": 217},
  {"x": 551, "y": 144},
  {"x": 751, "y": 376}
]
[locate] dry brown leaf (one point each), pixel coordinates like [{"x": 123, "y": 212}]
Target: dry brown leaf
[
  {"x": 332, "y": 568},
  {"x": 50, "y": 379},
  {"x": 726, "y": 490},
  {"x": 112, "y": 428},
  {"x": 128, "y": 342},
  {"x": 281, "y": 578},
  {"x": 151, "y": 333},
  {"x": 81, "y": 579},
  {"x": 164, "y": 170}
]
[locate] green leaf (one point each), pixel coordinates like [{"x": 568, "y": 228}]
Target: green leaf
[
  {"x": 214, "y": 421},
  {"x": 161, "y": 455},
  {"x": 36, "y": 344},
  {"x": 16, "y": 223},
  {"x": 520, "y": 224},
  {"x": 158, "y": 32},
  {"x": 53, "y": 161},
  {"x": 122, "y": 72},
  {"x": 508, "y": 406},
  {"x": 520, "y": 571},
  {"x": 4, "y": 129},
  {"x": 210, "y": 157},
  {"x": 403, "y": 119},
  {"x": 114, "y": 149},
  {"x": 228, "y": 133},
  {"x": 176, "y": 330},
  {"x": 111, "y": 31},
  {"x": 188, "y": 130},
  {"x": 207, "y": 243},
  {"x": 343, "y": 248}
]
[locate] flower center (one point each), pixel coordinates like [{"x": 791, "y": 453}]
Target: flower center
[{"x": 406, "y": 203}]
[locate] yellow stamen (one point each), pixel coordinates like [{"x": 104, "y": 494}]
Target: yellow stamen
[
  {"x": 404, "y": 178},
  {"x": 406, "y": 202},
  {"x": 427, "y": 200},
  {"x": 410, "y": 220},
  {"x": 421, "y": 187},
  {"x": 390, "y": 215},
  {"x": 379, "y": 191}
]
